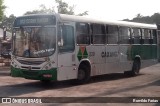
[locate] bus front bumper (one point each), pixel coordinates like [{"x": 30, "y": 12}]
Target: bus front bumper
[{"x": 35, "y": 74}]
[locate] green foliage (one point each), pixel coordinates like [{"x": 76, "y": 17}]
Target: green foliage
[
  {"x": 154, "y": 19},
  {"x": 2, "y": 8},
  {"x": 84, "y": 13},
  {"x": 42, "y": 10},
  {"x": 62, "y": 7},
  {"x": 7, "y": 22}
]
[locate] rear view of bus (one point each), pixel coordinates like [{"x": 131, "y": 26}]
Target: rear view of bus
[{"x": 34, "y": 47}]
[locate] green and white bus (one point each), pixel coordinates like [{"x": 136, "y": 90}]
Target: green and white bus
[{"x": 62, "y": 47}]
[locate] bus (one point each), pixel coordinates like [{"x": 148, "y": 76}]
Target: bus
[{"x": 56, "y": 47}]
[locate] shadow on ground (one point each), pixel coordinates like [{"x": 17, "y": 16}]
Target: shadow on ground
[{"x": 37, "y": 86}]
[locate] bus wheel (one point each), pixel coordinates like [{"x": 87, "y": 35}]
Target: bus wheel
[
  {"x": 83, "y": 75},
  {"x": 135, "y": 68}
]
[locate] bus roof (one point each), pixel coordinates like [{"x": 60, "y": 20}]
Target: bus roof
[{"x": 74, "y": 18}]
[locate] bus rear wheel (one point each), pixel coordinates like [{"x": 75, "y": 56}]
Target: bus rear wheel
[
  {"x": 83, "y": 75},
  {"x": 136, "y": 68}
]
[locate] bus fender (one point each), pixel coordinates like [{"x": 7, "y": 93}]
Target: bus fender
[{"x": 85, "y": 61}]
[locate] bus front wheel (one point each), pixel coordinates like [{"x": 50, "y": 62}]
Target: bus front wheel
[{"x": 83, "y": 75}]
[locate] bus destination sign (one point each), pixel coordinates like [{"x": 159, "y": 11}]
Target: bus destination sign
[{"x": 39, "y": 20}]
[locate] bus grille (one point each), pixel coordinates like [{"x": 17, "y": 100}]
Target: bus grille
[
  {"x": 30, "y": 73},
  {"x": 30, "y": 62}
]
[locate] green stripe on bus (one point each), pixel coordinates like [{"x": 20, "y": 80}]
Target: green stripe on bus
[
  {"x": 34, "y": 74},
  {"x": 144, "y": 51}
]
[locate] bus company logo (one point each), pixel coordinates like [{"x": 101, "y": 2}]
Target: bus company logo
[
  {"x": 6, "y": 100},
  {"x": 82, "y": 53}
]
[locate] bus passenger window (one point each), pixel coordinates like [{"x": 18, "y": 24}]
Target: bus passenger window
[
  {"x": 98, "y": 34},
  {"x": 151, "y": 36},
  {"x": 146, "y": 36},
  {"x": 154, "y": 36},
  {"x": 142, "y": 36},
  {"x": 82, "y": 32},
  {"x": 112, "y": 34},
  {"x": 136, "y": 35},
  {"x": 125, "y": 35}
]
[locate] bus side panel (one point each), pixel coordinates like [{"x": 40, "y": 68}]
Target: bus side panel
[
  {"x": 112, "y": 59},
  {"x": 125, "y": 57},
  {"x": 147, "y": 53},
  {"x": 66, "y": 66}
]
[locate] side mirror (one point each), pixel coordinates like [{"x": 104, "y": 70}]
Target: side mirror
[
  {"x": 60, "y": 43},
  {"x": 60, "y": 37}
]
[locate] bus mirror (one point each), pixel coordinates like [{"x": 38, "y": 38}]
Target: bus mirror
[{"x": 60, "y": 43}]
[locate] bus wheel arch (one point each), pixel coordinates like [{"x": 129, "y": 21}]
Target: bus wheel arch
[{"x": 84, "y": 72}]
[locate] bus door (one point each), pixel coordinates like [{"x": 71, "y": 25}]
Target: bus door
[
  {"x": 112, "y": 49},
  {"x": 66, "y": 52}
]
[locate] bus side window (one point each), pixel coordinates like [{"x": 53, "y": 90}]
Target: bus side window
[
  {"x": 98, "y": 34},
  {"x": 136, "y": 35},
  {"x": 125, "y": 35},
  {"x": 146, "y": 36},
  {"x": 112, "y": 34},
  {"x": 154, "y": 36},
  {"x": 151, "y": 36},
  {"x": 142, "y": 36},
  {"x": 82, "y": 32}
]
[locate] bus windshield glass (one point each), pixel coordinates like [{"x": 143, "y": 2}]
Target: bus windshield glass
[{"x": 34, "y": 41}]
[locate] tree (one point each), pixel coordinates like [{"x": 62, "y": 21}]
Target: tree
[
  {"x": 154, "y": 19},
  {"x": 8, "y": 21},
  {"x": 42, "y": 9},
  {"x": 139, "y": 16},
  {"x": 2, "y": 7},
  {"x": 62, "y": 7}
]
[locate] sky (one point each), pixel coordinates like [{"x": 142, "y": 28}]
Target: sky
[{"x": 104, "y": 9}]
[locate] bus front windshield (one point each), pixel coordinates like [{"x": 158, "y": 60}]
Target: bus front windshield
[{"x": 34, "y": 41}]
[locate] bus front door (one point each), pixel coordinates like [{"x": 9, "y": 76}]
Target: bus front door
[{"x": 66, "y": 53}]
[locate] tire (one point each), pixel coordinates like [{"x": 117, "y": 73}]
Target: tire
[
  {"x": 135, "y": 68},
  {"x": 83, "y": 75}
]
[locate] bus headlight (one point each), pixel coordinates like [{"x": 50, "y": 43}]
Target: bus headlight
[
  {"x": 14, "y": 64},
  {"x": 47, "y": 66}
]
